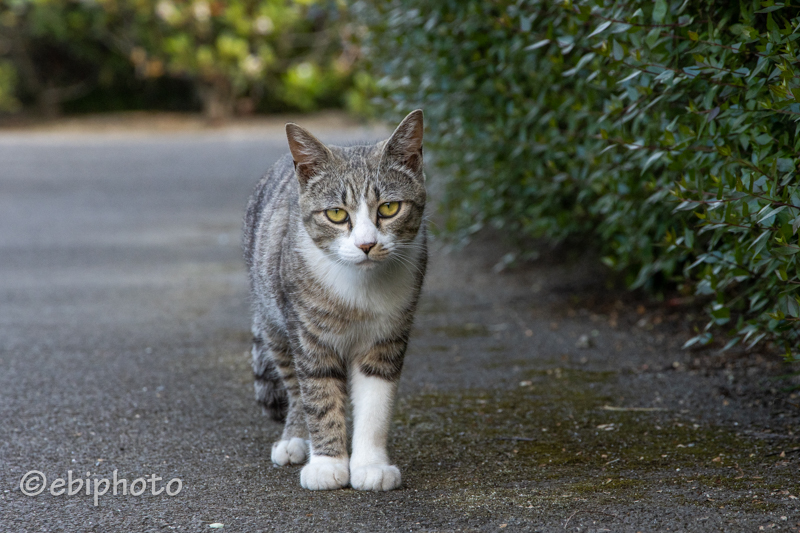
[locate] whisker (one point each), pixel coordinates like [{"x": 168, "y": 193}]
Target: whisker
[{"x": 407, "y": 262}]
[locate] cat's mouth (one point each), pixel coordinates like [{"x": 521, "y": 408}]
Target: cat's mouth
[
  {"x": 371, "y": 262},
  {"x": 367, "y": 263}
]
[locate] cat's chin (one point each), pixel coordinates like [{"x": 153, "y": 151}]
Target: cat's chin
[{"x": 367, "y": 264}]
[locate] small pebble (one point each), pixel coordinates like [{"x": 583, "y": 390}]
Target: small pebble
[{"x": 584, "y": 342}]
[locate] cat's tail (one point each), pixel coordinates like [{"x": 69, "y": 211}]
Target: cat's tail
[{"x": 270, "y": 392}]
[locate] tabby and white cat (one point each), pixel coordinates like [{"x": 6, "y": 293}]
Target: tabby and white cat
[{"x": 335, "y": 244}]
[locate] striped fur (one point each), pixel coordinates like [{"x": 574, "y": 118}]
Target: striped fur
[{"x": 333, "y": 303}]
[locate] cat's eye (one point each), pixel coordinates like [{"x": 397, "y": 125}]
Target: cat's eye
[
  {"x": 388, "y": 209},
  {"x": 336, "y": 215}
]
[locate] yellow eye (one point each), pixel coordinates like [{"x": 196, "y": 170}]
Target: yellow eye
[
  {"x": 337, "y": 215},
  {"x": 389, "y": 209}
]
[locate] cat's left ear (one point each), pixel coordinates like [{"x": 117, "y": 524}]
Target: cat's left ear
[{"x": 405, "y": 144}]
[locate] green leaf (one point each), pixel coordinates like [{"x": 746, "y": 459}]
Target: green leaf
[
  {"x": 537, "y": 45},
  {"x": 652, "y": 159},
  {"x": 659, "y": 11},
  {"x": 763, "y": 139},
  {"x": 618, "y": 51},
  {"x": 652, "y": 37},
  {"x": 629, "y": 77},
  {"x": 793, "y": 306},
  {"x": 692, "y": 71},
  {"x": 770, "y": 9},
  {"x": 600, "y": 29},
  {"x": 702, "y": 339},
  {"x": 759, "y": 239},
  {"x": 785, "y": 250},
  {"x": 688, "y": 238},
  {"x": 771, "y": 213},
  {"x": 721, "y": 314},
  {"x": 730, "y": 344},
  {"x": 786, "y": 164}
]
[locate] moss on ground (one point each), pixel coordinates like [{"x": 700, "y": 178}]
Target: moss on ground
[{"x": 557, "y": 437}]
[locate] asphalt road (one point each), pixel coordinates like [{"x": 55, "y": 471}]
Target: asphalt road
[{"x": 532, "y": 400}]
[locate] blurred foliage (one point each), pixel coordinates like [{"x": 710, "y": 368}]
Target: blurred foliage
[
  {"x": 238, "y": 51},
  {"x": 237, "y": 55},
  {"x": 359, "y": 97},
  {"x": 51, "y": 53},
  {"x": 667, "y": 130},
  {"x": 8, "y": 83}
]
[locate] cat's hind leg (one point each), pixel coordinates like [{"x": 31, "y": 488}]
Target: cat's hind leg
[
  {"x": 293, "y": 446},
  {"x": 277, "y": 384}
]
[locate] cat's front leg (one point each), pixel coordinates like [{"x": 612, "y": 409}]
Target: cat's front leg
[
  {"x": 323, "y": 382},
  {"x": 372, "y": 394}
]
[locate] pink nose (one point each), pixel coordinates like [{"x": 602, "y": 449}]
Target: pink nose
[{"x": 367, "y": 247}]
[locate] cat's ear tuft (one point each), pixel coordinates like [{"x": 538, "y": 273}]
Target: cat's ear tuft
[
  {"x": 308, "y": 152},
  {"x": 405, "y": 144}
]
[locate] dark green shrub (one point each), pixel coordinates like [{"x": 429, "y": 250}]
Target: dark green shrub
[{"x": 667, "y": 129}]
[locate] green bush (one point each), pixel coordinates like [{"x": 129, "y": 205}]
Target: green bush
[
  {"x": 238, "y": 55},
  {"x": 51, "y": 53},
  {"x": 8, "y": 84},
  {"x": 668, "y": 130},
  {"x": 238, "y": 51}
]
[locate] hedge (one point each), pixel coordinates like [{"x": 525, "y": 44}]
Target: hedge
[{"x": 666, "y": 130}]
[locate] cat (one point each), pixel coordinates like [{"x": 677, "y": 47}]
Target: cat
[{"x": 336, "y": 248}]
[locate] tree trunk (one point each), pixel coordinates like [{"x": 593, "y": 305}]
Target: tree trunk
[
  {"x": 217, "y": 98},
  {"x": 48, "y": 103},
  {"x": 50, "y": 97}
]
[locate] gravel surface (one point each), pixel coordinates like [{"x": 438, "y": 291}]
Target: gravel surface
[{"x": 533, "y": 399}]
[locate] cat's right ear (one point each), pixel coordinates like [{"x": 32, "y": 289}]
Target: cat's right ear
[{"x": 308, "y": 152}]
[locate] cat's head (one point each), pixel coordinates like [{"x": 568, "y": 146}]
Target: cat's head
[{"x": 362, "y": 205}]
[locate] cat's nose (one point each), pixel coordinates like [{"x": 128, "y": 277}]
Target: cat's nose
[{"x": 366, "y": 247}]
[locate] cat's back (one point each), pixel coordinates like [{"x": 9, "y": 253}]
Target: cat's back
[{"x": 268, "y": 211}]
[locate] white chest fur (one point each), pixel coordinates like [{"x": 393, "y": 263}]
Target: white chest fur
[{"x": 382, "y": 293}]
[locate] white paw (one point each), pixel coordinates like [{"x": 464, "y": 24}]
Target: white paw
[
  {"x": 375, "y": 477},
  {"x": 325, "y": 473},
  {"x": 289, "y": 452}
]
